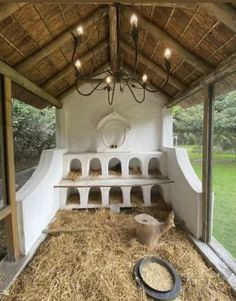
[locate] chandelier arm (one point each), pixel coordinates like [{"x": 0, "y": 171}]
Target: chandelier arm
[
  {"x": 136, "y": 56},
  {"x": 110, "y": 101},
  {"x": 89, "y": 93},
  {"x": 134, "y": 96},
  {"x": 76, "y": 42},
  {"x": 161, "y": 87}
]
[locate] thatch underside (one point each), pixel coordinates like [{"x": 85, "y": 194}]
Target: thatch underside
[
  {"x": 97, "y": 264},
  {"x": 30, "y": 29}
]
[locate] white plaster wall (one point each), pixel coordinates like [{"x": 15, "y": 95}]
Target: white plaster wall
[
  {"x": 186, "y": 191},
  {"x": 37, "y": 201},
  {"x": 81, "y": 116}
]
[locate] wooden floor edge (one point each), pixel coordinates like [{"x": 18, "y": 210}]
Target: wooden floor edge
[
  {"x": 9, "y": 271},
  {"x": 216, "y": 262}
]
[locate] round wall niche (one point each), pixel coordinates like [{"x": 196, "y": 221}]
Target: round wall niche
[{"x": 113, "y": 130}]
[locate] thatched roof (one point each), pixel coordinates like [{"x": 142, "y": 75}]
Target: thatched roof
[{"x": 36, "y": 40}]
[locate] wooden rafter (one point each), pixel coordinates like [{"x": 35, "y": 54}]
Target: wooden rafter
[
  {"x": 61, "y": 40},
  {"x": 151, "y": 65},
  {"x": 224, "y": 13},
  {"x": 28, "y": 84},
  {"x": 6, "y": 9},
  {"x": 69, "y": 68},
  {"x": 159, "y": 34},
  {"x": 227, "y": 67},
  {"x": 113, "y": 47}
]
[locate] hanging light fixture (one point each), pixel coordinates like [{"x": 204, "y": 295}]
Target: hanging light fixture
[{"x": 112, "y": 77}]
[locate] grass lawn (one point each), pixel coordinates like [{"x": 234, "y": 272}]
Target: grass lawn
[{"x": 224, "y": 187}]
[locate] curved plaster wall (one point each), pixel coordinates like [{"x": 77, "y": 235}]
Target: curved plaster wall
[
  {"x": 186, "y": 191},
  {"x": 37, "y": 202},
  {"x": 80, "y": 117}
]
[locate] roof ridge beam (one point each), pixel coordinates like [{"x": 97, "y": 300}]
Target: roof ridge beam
[
  {"x": 66, "y": 70},
  {"x": 223, "y": 12},
  {"x": 113, "y": 37},
  {"x": 159, "y": 34},
  {"x": 61, "y": 39},
  {"x": 28, "y": 84},
  {"x": 153, "y": 66}
]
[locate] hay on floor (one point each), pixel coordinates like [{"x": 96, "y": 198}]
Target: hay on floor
[{"x": 97, "y": 264}]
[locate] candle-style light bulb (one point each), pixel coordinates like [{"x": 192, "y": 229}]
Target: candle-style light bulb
[
  {"x": 134, "y": 20},
  {"x": 78, "y": 64},
  {"x": 80, "y": 30},
  {"x": 144, "y": 78},
  {"x": 167, "y": 54},
  {"x": 108, "y": 80}
]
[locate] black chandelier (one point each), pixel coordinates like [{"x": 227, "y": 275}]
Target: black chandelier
[{"x": 112, "y": 77}]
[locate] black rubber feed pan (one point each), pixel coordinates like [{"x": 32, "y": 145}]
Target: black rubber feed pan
[{"x": 158, "y": 295}]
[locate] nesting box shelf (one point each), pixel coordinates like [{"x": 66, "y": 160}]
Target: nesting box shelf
[
  {"x": 121, "y": 178},
  {"x": 119, "y": 182}
]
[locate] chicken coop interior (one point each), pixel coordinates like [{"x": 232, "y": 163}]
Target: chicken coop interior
[{"x": 115, "y": 193}]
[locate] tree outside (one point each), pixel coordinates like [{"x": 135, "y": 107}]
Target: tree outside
[{"x": 34, "y": 131}]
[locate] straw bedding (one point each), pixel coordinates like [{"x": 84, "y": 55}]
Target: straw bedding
[
  {"x": 97, "y": 264},
  {"x": 3, "y": 247}
]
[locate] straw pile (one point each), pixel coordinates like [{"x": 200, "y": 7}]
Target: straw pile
[
  {"x": 157, "y": 276},
  {"x": 97, "y": 264},
  {"x": 73, "y": 199},
  {"x": 95, "y": 173},
  {"x": 74, "y": 175},
  {"x": 95, "y": 197},
  {"x": 155, "y": 172},
  {"x": 135, "y": 171},
  {"x": 115, "y": 196}
]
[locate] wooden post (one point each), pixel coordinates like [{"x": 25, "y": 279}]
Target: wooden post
[
  {"x": 207, "y": 163},
  {"x": 9, "y": 168}
]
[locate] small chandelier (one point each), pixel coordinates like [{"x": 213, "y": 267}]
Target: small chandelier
[{"x": 110, "y": 78}]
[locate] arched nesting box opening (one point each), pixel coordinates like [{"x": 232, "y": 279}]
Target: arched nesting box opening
[
  {"x": 136, "y": 195},
  {"x": 135, "y": 168},
  {"x": 156, "y": 194},
  {"x": 154, "y": 167},
  {"x": 95, "y": 168},
  {"x": 115, "y": 196},
  {"x": 114, "y": 167},
  {"x": 73, "y": 196},
  {"x": 95, "y": 196},
  {"x": 75, "y": 170}
]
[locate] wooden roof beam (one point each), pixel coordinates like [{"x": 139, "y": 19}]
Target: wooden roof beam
[
  {"x": 224, "y": 69},
  {"x": 61, "y": 39},
  {"x": 113, "y": 37},
  {"x": 224, "y": 13},
  {"x": 28, "y": 84},
  {"x": 65, "y": 71},
  {"x": 6, "y": 9},
  {"x": 159, "y": 34},
  {"x": 151, "y": 65},
  {"x": 130, "y": 2}
]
